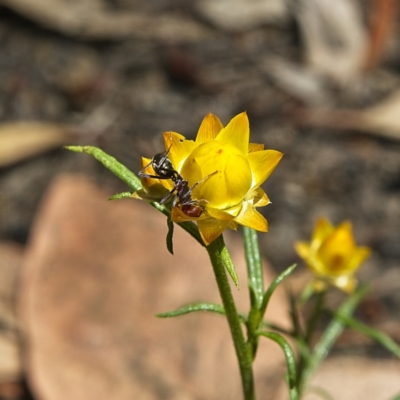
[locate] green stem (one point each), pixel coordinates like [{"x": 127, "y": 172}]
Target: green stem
[{"x": 217, "y": 252}]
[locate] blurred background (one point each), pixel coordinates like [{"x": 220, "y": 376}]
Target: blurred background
[{"x": 320, "y": 81}]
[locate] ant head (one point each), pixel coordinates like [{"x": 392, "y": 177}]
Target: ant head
[{"x": 163, "y": 165}]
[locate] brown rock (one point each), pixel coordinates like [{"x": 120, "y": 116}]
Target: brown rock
[
  {"x": 95, "y": 274},
  {"x": 357, "y": 378}
]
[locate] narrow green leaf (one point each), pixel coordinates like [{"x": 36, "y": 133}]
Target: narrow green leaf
[
  {"x": 321, "y": 392},
  {"x": 170, "y": 234},
  {"x": 254, "y": 263},
  {"x": 290, "y": 360},
  {"x": 274, "y": 284},
  {"x": 253, "y": 323},
  {"x": 216, "y": 308},
  {"x": 133, "y": 182},
  {"x": 253, "y": 298},
  {"x": 110, "y": 163},
  {"x": 277, "y": 328},
  {"x": 313, "y": 321},
  {"x": 295, "y": 317},
  {"x": 227, "y": 261},
  {"x": 329, "y": 337},
  {"x": 380, "y": 337},
  {"x": 119, "y": 196}
]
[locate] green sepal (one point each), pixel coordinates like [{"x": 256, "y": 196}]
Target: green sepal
[
  {"x": 290, "y": 361},
  {"x": 211, "y": 307},
  {"x": 170, "y": 235},
  {"x": 119, "y": 196}
]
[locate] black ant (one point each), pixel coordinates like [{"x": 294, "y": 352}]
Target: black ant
[{"x": 164, "y": 169}]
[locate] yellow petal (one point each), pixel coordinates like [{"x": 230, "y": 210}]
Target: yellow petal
[
  {"x": 179, "y": 148},
  {"x": 251, "y": 218},
  {"x": 138, "y": 195},
  {"x": 233, "y": 225},
  {"x": 322, "y": 229},
  {"x": 262, "y": 164},
  {"x": 177, "y": 215},
  {"x": 302, "y": 249},
  {"x": 235, "y": 210},
  {"x": 219, "y": 214},
  {"x": 209, "y": 129},
  {"x": 237, "y": 133},
  {"x": 211, "y": 228},
  {"x": 255, "y": 147},
  {"x": 229, "y": 171},
  {"x": 360, "y": 254},
  {"x": 337, "y": 249},
  {"x": 153, "y": 185},
  {"x": 261, "y": 199}
]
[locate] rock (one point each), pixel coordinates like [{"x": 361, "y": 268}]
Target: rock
[
  {"x": 359, "y": 378},
  {"x": 95, "y": 274}
]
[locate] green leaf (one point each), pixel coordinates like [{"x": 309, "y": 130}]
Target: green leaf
[
  {"x": 110, "y": 163},
  {"x": 295, "y": 317},
  {"x": 228, "y": 263},
  {"x": 170, "y": 234},
  {"x": 133, "y": 182},
  {"x": 290, "y": 360},
  {"x": 321, "y": 392},
  {"x": 329, "y": 337},
  {"x": 274, "y": 284},
  {"x": 119, "y": 196},
  {"x": 253, "y": 322},
  {"x": 254, "y": 264},
  {"x": 216, "y": 308},
  {"x": 277, "y": 328},
  {"x": 380, "y": 337}
]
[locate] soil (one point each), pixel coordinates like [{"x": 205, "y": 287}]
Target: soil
[{"x": 123, "y": 93}]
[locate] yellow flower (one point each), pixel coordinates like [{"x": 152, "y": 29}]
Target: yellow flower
[
  {"x": 225, "y": 172},
  {"x": 332, "y": 255}
]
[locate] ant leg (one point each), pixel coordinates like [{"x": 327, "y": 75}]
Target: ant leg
[
  {"x": 167, "y": 196},
  {"x": 141, "y": 174},
  {"x": 144, "y": 169},
  {"x": 190, "y": 190},
  {"x": 184, "y": 193}
]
